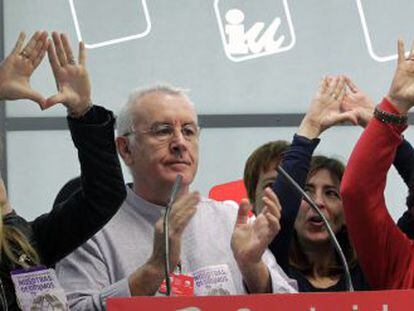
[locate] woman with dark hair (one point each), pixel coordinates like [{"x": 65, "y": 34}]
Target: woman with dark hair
[
  {"x": 312, "y": 260},
  {"x": 50, "y": 237}
]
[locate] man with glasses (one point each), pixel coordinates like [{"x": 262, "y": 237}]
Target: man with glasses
[{"x": 214, "y": 248}]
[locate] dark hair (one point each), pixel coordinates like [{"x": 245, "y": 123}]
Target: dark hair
[
  {"x": 259, "y": 161},
  {"x": 335, "y": 167},
  {"x": 296, "y": 257}
]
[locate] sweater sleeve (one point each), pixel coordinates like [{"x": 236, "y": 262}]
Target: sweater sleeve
[
  {"x": 404, "y": 161},
  {"x": 384, "y": 252},
  {"x": 89, "y": 284},
  {"x": 296, "y": 162},
  {"x": 76, "y": 219}
]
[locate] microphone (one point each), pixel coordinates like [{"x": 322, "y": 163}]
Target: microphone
[
  {"x": 174, "y": 192},
  {"x": 332, "y": 236}
]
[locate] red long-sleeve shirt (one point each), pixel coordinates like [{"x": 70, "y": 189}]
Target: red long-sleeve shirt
[{"x": 385, "y": 254}]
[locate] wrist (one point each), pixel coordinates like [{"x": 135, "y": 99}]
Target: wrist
[
  {"x": 309, "y": 129},
  {"x": 256, "y": 277},
  {"x": 387, "y": 113},
  {"x": 402, "y": 106},
  {"x": 366, "y": 116},
  {"x": 146, "y": 280},
  {"x": 80, "y": 110}
]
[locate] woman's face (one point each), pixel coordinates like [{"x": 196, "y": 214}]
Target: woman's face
[
  {"x": 266, "y": 179},
  {"x": 323, "y": 187}
]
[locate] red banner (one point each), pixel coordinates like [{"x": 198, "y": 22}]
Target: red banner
[{"x": 357, "y": 301}]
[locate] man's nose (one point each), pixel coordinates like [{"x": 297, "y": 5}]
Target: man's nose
[{"x": 178, "y": 144}]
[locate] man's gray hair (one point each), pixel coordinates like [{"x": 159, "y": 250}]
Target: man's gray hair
[{"x": 125, "y": 120}]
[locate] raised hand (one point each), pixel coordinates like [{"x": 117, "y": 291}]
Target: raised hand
[
  {"x": 355, "y": 100},
  {"x": 325, "y": 109},
  {"x": 250, "y": 239},
  {"x": 72, "y": 79},
  {"x": 17, "y": 68},
  {"x": 401, "y": 93}
]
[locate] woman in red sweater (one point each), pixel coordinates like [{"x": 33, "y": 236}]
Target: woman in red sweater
[{"x": 385, "y": 254}]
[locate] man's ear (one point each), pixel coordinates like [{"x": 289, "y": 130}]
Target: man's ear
[{"x": 124, "y": 150}]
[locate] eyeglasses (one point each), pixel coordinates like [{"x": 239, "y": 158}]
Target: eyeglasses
[{"x": 164, "y": 132}]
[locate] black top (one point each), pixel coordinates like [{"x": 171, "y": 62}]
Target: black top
[
  {"x": 73, "y": 221},
  {"x": 304, "y": 285},
  {"x": 296, "y": 162}
]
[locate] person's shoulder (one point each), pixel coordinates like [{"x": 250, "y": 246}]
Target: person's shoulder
[{"x": 14, "y": 220}]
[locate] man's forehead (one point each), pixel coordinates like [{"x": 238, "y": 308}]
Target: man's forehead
[{"x": 163, "y": 107}]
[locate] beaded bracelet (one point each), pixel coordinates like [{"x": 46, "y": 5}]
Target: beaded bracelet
[{"x": 390, "y": 118}]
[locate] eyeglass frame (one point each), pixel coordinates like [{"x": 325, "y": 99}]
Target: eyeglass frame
[{"x": 152, "y": 131}]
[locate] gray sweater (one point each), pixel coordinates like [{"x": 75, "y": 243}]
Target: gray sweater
[{"x": 100, "y": 268}]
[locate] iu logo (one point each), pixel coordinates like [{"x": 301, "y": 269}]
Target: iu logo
[{"x": 252, "y": 29}]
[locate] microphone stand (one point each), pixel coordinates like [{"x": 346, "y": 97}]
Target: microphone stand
[
  {"x": 332, "y": 236},
  {"x": 174, "y": 192}
]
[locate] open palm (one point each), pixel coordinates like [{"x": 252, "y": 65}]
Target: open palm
[{"x": 17, "y": 68}]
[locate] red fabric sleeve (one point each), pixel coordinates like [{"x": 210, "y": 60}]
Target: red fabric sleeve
[{"x": 384, "y": 252}]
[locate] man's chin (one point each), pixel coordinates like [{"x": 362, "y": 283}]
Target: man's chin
[{"x": 187, "y": 178}]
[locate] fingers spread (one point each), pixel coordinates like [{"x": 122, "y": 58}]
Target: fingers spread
[
  {"x": 53, "y": 59},
  {"x": 271, "y": 203},
  {"x": 412, "y": 51},
  {"x": 273, "y": 222},
  {"x": 243, "y": 213},
  {"x": 40, "y": 46},
  {"x": 333, "y": 83},
  {"x": 341, "y": 95},
  {"x": 31, "y": 45},
  {"x": 67, "y": 48},
  {"x": 401, "y": 50},
  {"x": 82, "y": 54},
  {"x": 41, "y": 54},
  {"x": 60, "y": 52},
  {"x": 351, "y": 85},
  {"x": 339, "y": 87},
  {"x": 323, "y": 85},
  {"x": 19, "y": 43}
]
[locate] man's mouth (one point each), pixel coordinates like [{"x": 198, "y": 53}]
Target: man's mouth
[{"x": 178, "y": 163}]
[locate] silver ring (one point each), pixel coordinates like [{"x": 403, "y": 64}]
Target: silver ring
[{"x": 71, "y": 61}]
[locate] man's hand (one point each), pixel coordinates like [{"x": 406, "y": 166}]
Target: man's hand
[
  {"x": 17, "y": 68},
  {"x": 147, "y": 279},
  {"x": 250, "y": 240},
  {"x": 355, "y": 100},
  {"x": 72, "y": 79},
  {"x": 325, "y": 109},
  {"x": 401, "y": 93}
]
